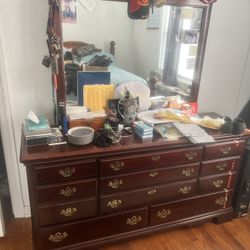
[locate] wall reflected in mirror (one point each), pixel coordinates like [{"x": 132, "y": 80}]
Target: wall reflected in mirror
[{"x": 159, "y": 53}]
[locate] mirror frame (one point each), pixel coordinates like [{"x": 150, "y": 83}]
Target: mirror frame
[{"x": 59, "y": 79}]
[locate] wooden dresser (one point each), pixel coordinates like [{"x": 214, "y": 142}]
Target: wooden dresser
[{"x": 87, "y": 196}]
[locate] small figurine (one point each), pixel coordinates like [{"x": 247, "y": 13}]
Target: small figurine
[{"x": 131, "y": 108}]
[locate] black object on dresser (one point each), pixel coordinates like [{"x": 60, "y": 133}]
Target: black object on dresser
[
  {"x": 84, "y": 196},
  {"x": 242, "y": 199}
]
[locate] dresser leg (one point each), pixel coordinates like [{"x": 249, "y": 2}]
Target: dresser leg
[{"x": 224, "y": 217}]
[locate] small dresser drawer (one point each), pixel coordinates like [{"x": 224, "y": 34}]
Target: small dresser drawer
[
  {"x": 220, "y": 166},
  {"x": 216, "y": 183},
  {"x": 87, "y": 230},
  {"x": 68, "y": 191},
  {"x": 174, "y": 211},
  {"x": 224, "y": 149},
  {"x": 141, "y": 197},
  {"x": 65, "y": 171},
  {"x": 147, "y": 178},
  {"x": 137, "y": 162},
  {"x": 67, "y": 211}
]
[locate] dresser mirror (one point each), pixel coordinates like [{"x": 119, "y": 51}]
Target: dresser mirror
[{"x": 164, "y": 52}]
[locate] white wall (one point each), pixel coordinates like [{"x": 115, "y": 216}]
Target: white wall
[
  {"x": 23, "y": 26},
  {"x": 107, "y": 22},
  {"x": 225, "y": 84},
  {"x": 23, "y": 31}
]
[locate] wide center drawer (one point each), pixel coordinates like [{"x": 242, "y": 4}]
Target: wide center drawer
[
  {"x": 190, "y": 207},
  {"x": 139, "y": 162},
  {"x": 141, "y": 197},
  {"x": 146, "y": 178},
  {"x": 87, "y": 230},
  {"x": 66, "y": 191}
]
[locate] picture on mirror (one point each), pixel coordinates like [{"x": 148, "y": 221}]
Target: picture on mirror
[{"x": 69, "y": 11}]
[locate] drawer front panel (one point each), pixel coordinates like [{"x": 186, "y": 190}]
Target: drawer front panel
[
  {"x": 224, "y": 149},
  {"x": 220, "y": 166},
  {"x": 120, "y": 201},
  {"x": 67, "y": 212},
  {"x": 217, "y": 183},
  {"x": 147, "y": 178},
  {"x": 68, "y": 234},
  {"x": 183, "y": 209},
  {"x": 64, "y": 172},
  {"x": 151, "y": 160},
  {"x": 67, "y": 191}
]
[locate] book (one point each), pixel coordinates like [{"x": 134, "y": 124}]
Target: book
[
  {"x": 142, "y": 133},
  {"x": 95, "y": 68},
  {"x": 142, "y": 126},
  {"x": 90, "y": 78},
  {"x": 168, "y": 130}
]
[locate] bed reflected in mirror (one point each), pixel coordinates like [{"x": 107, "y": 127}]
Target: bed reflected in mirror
[{"x": 161, "y": 54}]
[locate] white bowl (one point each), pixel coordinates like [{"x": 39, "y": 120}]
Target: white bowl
[{"x": 80, "y": 135}]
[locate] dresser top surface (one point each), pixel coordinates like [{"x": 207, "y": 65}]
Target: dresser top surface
[{"x": 39, "y": 154}]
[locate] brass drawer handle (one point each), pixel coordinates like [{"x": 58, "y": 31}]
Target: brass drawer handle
[
  {"x": 221, "y": 166},
  {"x": 115, "y": 183},
  {"x": 185, "y": 190},
  {"x": 156, "y": 157},
  {"x": 225, "y": 150},
  {"x": 58, "y": 237},
  {"x": 114, "y": 203},
  {"x": 243, "y": 206},
  {"x": 133, "y": 220},
  {"x": 68, "y": 191},
  {"x": 218, "y": 183},
  {"x": 68, "y": 212},
  {"x": 117, "y": 165},
  {"x": 151, "y": 192},
  {"x": 187, "y": 172},
  {"x": 153, "y": 174},
  {"x": 67, "y": 172},
  {"x": 191, "y": 155},
  {"x": 221, "y": 201},
  {"x": 163, "y": 213}
]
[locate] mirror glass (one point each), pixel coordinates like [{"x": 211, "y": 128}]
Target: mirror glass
[{"x": 160, "y": 52}]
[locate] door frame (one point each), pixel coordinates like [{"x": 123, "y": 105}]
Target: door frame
[{"x": 9, "y": 141}]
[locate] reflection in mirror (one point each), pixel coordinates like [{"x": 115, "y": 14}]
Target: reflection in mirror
[{"x": 159, "y": 54}]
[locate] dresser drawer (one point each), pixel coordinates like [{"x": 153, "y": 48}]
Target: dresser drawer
[
  {"x": 65, "y": 171},
  {"x": 87, "y": 230},
  {"x": 136, "y": 162},
  {"x": 224, "y": 149},
  {"x": 216, "y": 183},
  {"x": 141, "y": 197},
  {"x": 220, "y": 166},
  {"x": 147, "y": 178},
  {"x": 67, "y": 212},
  {"x": 66, "y": 191},
  {"x": 173, "y": 211}
]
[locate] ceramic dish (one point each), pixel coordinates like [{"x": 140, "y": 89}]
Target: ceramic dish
[{"x": 80, "y": 135}]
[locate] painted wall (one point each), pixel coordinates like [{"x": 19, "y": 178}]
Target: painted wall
[
  {"x": 225, "y": 80},
  {"x": 100, "y": 26},
  {"x": 23, "y": 26},
  {"x": 23, "y": 32}
]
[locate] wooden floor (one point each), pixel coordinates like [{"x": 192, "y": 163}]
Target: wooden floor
[{"x": 233, "y": 235}]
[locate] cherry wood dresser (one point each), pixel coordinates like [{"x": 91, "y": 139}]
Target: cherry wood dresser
[{"x": 85, "y": 196}]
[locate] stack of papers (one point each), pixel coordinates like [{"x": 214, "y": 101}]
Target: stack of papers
[{"x": 194, "y": 133}]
